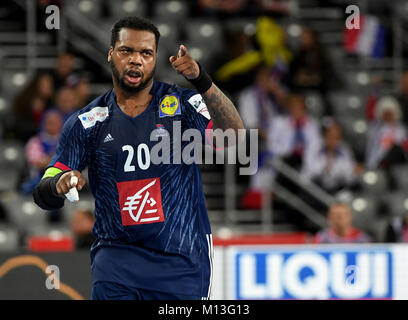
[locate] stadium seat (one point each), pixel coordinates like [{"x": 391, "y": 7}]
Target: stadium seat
[
  {"x": 12, "y": 154},
  {"x": 346, "y": 104},
  {"x": 400, "y": 175},
  {"x": 9, "y": 238},
  {"x": 365, "y": 208},
  {"x": 174, "y": 10},
  {"x": 10, "y": 177},
  {"x": 123, "y": 8},
  {"x": 92, "y": 9},
  {"x": 12, "y": 82},
  {"x": 169, "y": 38},
  {"x": 22, "y": 211},
  {"x": 204, "y": 33},
  {"x": 374, "y": 181},
  {"x": 85, "y": 202},
  {"x": 355, "y": 132},
  {"x": 396, "y": 203},
  {"x": 314, "y": 104}
]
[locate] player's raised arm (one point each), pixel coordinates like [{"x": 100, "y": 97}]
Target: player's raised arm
[{"x": 222, "y": 111}]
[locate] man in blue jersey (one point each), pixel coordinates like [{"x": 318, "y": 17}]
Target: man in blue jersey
[{"x": 153, "y": 234}]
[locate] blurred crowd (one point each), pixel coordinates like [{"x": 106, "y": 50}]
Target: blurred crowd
[{"x": 267, "y": 79}]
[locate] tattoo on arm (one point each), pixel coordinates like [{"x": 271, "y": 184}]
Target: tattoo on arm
[{"x": 223, "y": 112}]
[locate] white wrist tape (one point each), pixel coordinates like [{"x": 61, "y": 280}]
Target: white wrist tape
[{"x": 72, "y": 195}]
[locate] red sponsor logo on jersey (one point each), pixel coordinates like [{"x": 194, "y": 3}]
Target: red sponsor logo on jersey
[{"x": 140, "y": 201}]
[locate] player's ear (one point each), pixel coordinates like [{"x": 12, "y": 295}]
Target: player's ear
[{"x": 110, "y": 54}]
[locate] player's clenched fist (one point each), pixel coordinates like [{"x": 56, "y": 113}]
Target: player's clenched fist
[
  {"x": 184, "y": 64},
  {"x": 70, "y": 180}
]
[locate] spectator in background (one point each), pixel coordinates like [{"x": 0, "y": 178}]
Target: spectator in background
[
  {"x": 236, "y": 43},
  {"x": 341, "y": 229},
  {"x": 295, "y": 135},
  {"x": 81, "y": 87},
  {"x": 261, "y": 102},
  {"x": 81, "y": 226},
  {"x": 332, "y": 166},
  {"x": 30, "y": 105},
  {"x": 387, "y": 137},
  {"x": 403, "y": 97},
  {"x": 66, "y": 101},
  {"x": 397, "y": 230},
  {"x": 63, "y": 69},
  {"x": 291, "y": 137},
  {"x": 311, "y": 69},
  {"x": 40, "y": 148},
  {"x": 269, "y": 48}
]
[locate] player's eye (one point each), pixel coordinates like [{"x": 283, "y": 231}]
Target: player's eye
[
  {"x": 147, "y": 53},
  {"x": 125, "y": 50}
]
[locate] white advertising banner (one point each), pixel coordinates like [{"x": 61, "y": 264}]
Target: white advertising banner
[{"x": 369, "y": 271}]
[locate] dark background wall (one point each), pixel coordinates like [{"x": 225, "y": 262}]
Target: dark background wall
[{"x": 28, "y": 282}]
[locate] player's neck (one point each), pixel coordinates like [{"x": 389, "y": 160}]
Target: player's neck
[{"x": 133, "y": 104}]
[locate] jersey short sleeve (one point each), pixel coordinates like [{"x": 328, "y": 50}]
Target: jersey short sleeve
[
  {"x": 196, "y": 112},
  {"x": 71, "y": 149}
]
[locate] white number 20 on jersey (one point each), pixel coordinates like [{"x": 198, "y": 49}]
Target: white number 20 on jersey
[{"x": 141, "y": 149}]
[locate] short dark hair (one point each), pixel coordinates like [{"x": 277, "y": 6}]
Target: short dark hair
[{"x": 135, "y": 23}]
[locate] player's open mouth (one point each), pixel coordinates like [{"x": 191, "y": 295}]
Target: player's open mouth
[{"x": 133, "y": 76}]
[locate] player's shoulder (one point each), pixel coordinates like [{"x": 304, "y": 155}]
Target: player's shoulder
[{"x": 97, "y": 110}]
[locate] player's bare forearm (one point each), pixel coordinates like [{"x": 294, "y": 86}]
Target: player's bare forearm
[{"x": 223, "y": 113}]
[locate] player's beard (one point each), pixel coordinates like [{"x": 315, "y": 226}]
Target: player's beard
[{"x": 120, "y": 80}]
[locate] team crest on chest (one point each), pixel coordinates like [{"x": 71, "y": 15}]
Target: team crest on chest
[{"x": 169, "y": 106}]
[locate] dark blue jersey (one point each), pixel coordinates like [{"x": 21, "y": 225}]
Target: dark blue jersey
[{"x": 151, "y": 221}]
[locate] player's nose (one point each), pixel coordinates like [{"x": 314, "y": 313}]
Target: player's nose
[{"x": 135, "y": 58}]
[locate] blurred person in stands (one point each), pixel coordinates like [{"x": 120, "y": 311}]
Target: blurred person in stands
[
  {"x": 291, "y": 137},
  {"x": 63, "y": 69},
  {"x": 295, "y": 135},
  {"x": 40, "y": 148},
  {"x": 267, "y": 47},
  {"x": 261, "y": 102},
  {"x": 30, "y": 105},
  {"x": 340, "y": 227},
  {"x": 235, "y": 44},
  {"x": 387, "y": 140},
  {"x": 402, "y": 97},
  {"x": 333, "y": 166},
  {"x": 66, "y": 101},
  {"x": 397, "y": 229},
  {"x": 82, "y": 223},
  {"x": 311, "y": 68},
  {"x": 80, "y": 84}
]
